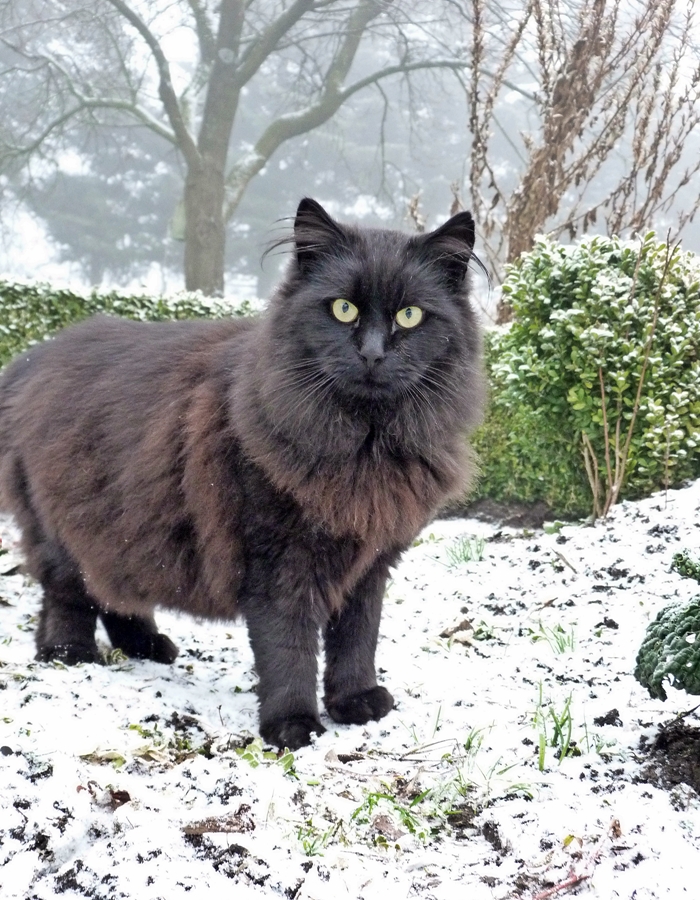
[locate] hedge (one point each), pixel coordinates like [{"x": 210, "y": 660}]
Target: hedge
[
  {"x": 30, "y": 312},
  {"x": 596, "y": 382}
]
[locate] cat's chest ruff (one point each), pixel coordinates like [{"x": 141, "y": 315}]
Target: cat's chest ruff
[
  {"x": 352, "y": 481},
  {"x": 378, "y": 501},
  {"x": 375, "y": 500}
]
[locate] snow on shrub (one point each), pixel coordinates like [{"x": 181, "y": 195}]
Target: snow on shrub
[
  {"x": 596, "y": 382},
  {"x": 29, "y": 312}
]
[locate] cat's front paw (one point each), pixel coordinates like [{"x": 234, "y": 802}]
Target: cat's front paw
[
  {"x": 357, "y": 709},
  {"x": 69, "y": 654},
  {"x": 293, "y": 732}
]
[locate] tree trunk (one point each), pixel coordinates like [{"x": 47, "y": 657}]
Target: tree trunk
[
  {"x": 205, "y": 235},
  {"x": 205, "y": 229}
]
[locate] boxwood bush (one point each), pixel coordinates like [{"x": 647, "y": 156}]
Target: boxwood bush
[
  {"x": 31, "y": 312},
  {"x": 596, "y": 382}
]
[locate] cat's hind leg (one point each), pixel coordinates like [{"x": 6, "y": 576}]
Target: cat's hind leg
[
  {"x": 66, "y": 630},
  {"x": 138, "y": 636},
  {"x": 68, "y": 616},
  {"x": 352, "y": 695}
]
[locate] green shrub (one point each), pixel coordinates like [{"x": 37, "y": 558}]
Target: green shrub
[
  {"x": 31, "y": 312},
  {"x": 596, "y": 382}
]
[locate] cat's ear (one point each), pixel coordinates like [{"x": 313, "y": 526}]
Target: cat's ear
[
  {"x": 452, "y": 246},
  {"x": 315, "y": 233}
]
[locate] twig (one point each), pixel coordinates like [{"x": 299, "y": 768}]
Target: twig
[
  {"x": 606, "y": 435},
  {"x": 240, "y": 821},
  {"x": 591, "y": 462},
  {"x": 670, "y": 252},
  {"x": 565, "y": 561},
  {"x": 573, "y": 878}
]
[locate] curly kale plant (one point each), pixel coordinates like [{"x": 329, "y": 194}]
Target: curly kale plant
[
  {"x": 671, "y": 646},
  {"x": 685, "y": 566}
]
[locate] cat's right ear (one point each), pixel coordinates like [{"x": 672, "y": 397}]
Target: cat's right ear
[
  {"x": 315, "y": 233},
  {"x": 452, "y": 246}
]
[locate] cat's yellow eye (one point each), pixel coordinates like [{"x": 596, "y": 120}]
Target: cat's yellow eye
[
  {"x": 344, "y": 311},
  {"x": 409, "y": 316}
]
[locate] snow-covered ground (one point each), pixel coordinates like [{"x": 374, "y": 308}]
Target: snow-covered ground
[{"x": 134, "y": 780}]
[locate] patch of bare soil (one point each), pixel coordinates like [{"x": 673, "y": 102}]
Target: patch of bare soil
[
  {"x": 673, "y": 757},
  {"x": 506, "y": 513}
]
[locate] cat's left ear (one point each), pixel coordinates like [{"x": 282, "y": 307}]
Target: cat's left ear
[
  {"x": 315, "y": 233},
  {"x": 452, "y": 246}
]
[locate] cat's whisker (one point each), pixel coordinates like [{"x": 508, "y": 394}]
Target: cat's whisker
[
  {"x": 319, "y": 386},
  {"x": 420, "y": 404},
  {"x": 301, "y": 364},
  {"x": 317, "y": 391},
  {"x": 442, "y": 387},
  {"x": 427, "y": 406},
  {"x": 292, "y": 385}
]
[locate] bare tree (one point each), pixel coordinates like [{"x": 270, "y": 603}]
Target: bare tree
[
  {"x": 112, "y": 60},
  {"x": 615, "y": 96}
]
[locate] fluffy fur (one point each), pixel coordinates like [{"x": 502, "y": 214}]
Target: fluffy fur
[{"x": 274, "y": 467}]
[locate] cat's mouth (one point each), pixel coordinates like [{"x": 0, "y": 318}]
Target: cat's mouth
[{"x": 373, "y": 386}]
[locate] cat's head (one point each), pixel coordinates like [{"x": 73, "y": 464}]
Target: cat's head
[{"x": 372, "y": 317}]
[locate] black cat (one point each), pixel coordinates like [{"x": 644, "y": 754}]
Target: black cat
[{"x": 274, "y": 467}]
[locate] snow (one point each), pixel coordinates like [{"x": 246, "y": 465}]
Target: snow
[{"x": 103, "y": 796}]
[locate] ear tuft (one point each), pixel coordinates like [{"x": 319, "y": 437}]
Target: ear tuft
[
  {"x": 315, "y": 233},
  {"x": 452, "y": 246}
]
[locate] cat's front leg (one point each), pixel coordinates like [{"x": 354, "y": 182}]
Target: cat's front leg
[
  {"x": 283, "y": 615},
  {"x": 352, "y": 695}
]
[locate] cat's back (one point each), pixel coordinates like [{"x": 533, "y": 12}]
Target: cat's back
[
  {"x": 107, "y": 387},
  {"x": 121, "y": 349},
  {"x": 109, "y": 363}
]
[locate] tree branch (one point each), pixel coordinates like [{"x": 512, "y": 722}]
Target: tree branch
[
  {"x": 165, "y": 88},
  {"x": 205, "y": 35},
  {"x": 293, "y": 124},
  {"x": 259, "y": 50},
  {"x": 332, "y": 97},
  {"x": 400, "y": 68},
  {"x": 86, "y": 103}
]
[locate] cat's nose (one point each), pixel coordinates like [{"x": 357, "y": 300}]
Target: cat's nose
[{"x": 372, "y": 349}]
